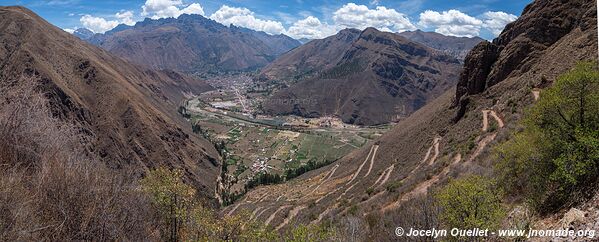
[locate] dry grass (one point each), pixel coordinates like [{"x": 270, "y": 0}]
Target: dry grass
[{"x": 50, "y": 189}]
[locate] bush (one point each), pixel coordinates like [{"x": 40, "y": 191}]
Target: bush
[
  {"x": 50, "y": 188},
  {"x": 310, "y": 233},
  {"x": 470, "y": 202},
  {"x": 555, "y": 159},
  {"x": 392, "y": 186}
]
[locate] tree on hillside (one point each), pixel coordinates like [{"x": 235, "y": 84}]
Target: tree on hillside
[
  {"x": 185, "y": 219},
  {"x": 555, "y": 159},
  {"x": 470, "y": 202}
]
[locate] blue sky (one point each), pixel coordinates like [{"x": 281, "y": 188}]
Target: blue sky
[{"x": 297, "y": 18}]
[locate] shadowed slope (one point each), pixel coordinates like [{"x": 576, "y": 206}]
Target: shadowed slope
[{"x": 126, "y": 113}]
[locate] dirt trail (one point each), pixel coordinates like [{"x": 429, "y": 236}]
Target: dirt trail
[
  {"x": 272, "y": 216},
  {"x": 345, "y": 192},
  {"x": 260, "y": 213},
  {"x": 436, "y": 145},
  {"x": 486, "y": 119},
  {"x": 498, "y": 119},
  {"x": 387, "y": 175},
  {"x": 233, "y": 209},
  {"x": 324, "y": 213},
  {"x": 376, "y": 148},
  {"x": 253, "y": 216},
  {"x": 294, "y": 212},
  {"x": 331, "y": 173},
  {"x": 423, "y": 187},
  {"x": 329, "y": 193},
  {"x": 482, "y": 144},
  {"x": 361, "y": 166},
  {"x": 428, "y": 154},
  {"x": 263, "y": 197}
]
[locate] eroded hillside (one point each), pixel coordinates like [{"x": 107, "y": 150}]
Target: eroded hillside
[
  {"x": 365, "y": 78},
  {"x": 449, "y": 137},
  {"x": 126, "y": 114}
]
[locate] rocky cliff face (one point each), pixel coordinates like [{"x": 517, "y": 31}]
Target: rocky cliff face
[{"x": 543, "y": 27}]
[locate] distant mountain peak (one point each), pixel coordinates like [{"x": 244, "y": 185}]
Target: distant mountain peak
[
  {"x": 194, "y": 44},
  {"x": 457, "y": 47},
  {"x": 377, "y": 77},
  {"x": 83, "y": 33}
]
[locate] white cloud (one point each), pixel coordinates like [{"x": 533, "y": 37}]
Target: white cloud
[
  {"x": 101, "y": 25},
  {"x": 97, "y": 24},
  {"x": 352, "y": 15},
  {"x": 194, "y": 8},
  {"x": 243, "y": 17},
  {"x": 496, "y": 21},
  {"x": 70, "y": 31},
  {"x": 311, "y": 28},
  {"x": 169, "y": 8},
  {"x": 125, "y": 17},
  {"x": 451, "y": 22}
]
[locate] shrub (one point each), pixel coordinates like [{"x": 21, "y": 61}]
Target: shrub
[
  {"x": 470, "y": 202},
  {"x": 310, "y": 233},
  {"x": 50, "y": 188},
  {"x": 555, "y": 159},
  {"x": 392, "y": 186}
]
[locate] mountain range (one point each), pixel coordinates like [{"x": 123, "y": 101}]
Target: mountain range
[
  {"x": 454, "y": 100},
  {"x": 457, "y": 47},
  {"x": 193, "y": 44},
  {"x": 385, "y": 184},
  {"x": 364, "y": 77}
]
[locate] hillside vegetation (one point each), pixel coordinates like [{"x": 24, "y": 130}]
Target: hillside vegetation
[
  {"x": 554, "y": 159},
  {"x": 50, "y": 189}
]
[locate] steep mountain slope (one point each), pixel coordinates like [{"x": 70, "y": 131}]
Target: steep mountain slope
[
  {"x": 311, "y": 58},
  {"x": 126, "y": 113},
  {"x": 192, "y": 43},
  {"x": 428, "y": 147},
  {"x": 376, "y": 77},
  {"x": 457, "y": 47}
]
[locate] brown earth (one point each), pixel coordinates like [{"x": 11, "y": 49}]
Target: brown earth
[
  {"x": 365, "y": 78},
  {"x": 463, "y": 148},
  {"x": 126, "y": 113}
]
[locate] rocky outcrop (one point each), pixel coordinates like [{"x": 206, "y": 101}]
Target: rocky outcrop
[
  {"x": 477, "y": 67},
  {"x": 523, "y": 43}
]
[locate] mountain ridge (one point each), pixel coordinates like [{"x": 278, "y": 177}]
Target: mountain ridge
[
  {"x": 126, "y": 113},
  {"x": 377, "y": 77},
  {"x": 424, "y": 151},
  {"x": 193, "y": 44},
  {"x": 457, "y": 47}
]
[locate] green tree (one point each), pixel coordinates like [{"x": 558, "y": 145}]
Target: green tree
[
  {"x": 470, "y": 202},
  {"x": 171, "y": 197},
  {"x": 555, "y": 158},
  {"x": 310, "y": 233}
]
